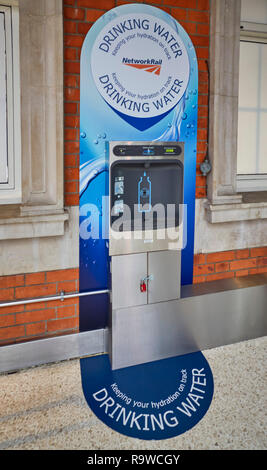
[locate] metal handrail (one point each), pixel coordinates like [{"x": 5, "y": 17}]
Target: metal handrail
[{"x": 62, "y": 296}]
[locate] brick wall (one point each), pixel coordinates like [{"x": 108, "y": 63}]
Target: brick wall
[
  {"x": 79, "y": 15},
  {"x": 227, "y": 264},
  {"x": 41, "y": 319}
]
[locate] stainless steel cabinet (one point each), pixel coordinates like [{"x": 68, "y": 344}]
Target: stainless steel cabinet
[
  {"x": 164, "y": 269},
  {"x": 159, "y": 270}
]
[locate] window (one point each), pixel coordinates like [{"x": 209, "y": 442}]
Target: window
[
  {"x": 10, "y": 154},
  {"x": 252, "y": 99}
]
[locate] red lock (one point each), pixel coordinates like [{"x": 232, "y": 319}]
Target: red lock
[{"x": 143, "y": 287}]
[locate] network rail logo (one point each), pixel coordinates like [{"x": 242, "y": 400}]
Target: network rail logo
[{"x": 147, "y": 65}]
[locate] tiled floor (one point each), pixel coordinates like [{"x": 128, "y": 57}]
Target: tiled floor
[{"x": 44, "y": 407}]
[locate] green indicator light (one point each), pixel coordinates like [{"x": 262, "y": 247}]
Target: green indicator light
[{"x": 169, "y": 150}]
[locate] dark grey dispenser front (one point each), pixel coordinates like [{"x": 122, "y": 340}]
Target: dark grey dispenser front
[{"x": 145, "y": 227}]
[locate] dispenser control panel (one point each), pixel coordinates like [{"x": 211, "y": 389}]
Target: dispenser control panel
[
  {"x": 146, "y": 150},
  {"x": 146, "y": 193}
]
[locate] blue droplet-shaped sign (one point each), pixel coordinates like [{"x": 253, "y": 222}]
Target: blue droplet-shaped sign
[{"x": 139, "y": 82}]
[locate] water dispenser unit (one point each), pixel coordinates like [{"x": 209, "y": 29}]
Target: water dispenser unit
[{"x": 145, "y": 229}]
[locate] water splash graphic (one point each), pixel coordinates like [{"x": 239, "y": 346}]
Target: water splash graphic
[{"x": 90, "y": 170}]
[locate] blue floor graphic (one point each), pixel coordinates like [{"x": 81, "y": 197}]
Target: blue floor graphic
[{"x": 157, "y": 400}]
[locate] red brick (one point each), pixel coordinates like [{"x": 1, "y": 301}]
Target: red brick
[
  {"x": 92, "y": 15},
  {"x": 70, "y": 108},
  {"x": 258, "y": 270},
  {"x": 7, "y": 320},
  {"x": 179, "y": 13},
  {"x": 74, "y": 13},
  {"x": 72, "y": 199},
  {"x": 242, "y": 254},
  {"x": 72, "y": 94},
  {"x": 203, "y": 76},
  {"x": 71, "y": 81},
  {"x": 63, "y": 324},
  {"x": 72, "y": 147},
  {"x": 70, "y": 160},
  {"x": 202, "y": 52},
  {"x": 221, "y": 267},
  {"x": 71, "y": 187},
  {"x": 37, "y": 315},
  {"x": 35, "y": 328},
  {"x": 11, "y": 281},
  {"x": 198, "y": 279},
  {"x": 200, "y": 157},
  {"x": 67, "y": 286},
  {"x": 203, "y": 100},
  {"x": 72, "y": 67},
  {"x": 156, "y": 2},
  {"x": 200, "y": 40},
  {"x": 202, "y": 65},
  {"x": 243, "y": 264},
  {"x": 203, "y": 4},
  {"x": 201, "y": 146},
  {"x": 34, "y": 278},
  {"x": 167, "y": 9},
  {"x": 35, "y": 306},
  {"x": 200, "y": 181},
  {"x": 262, "y": 251},
  {"x": 12, "y": 332},
  {"x": 202, "y": 134},
  {"x": 6, "y": 294},
  {"x": 70, "y": 134},
  {"x": 62, "y": 275},
  {"x": 70, "y": 27},
  {"x": 261, "y": 261},
  {"x": 199, "y": 258},
  {"x": 69, "y": 2},
  {"x": 202, "y": 123},
  {"x": 242, "y": 272},
  {"x": 83, "y": 28},
  {"x": 203, "y": 88},
  {"x": 71, "y": 174},
  {"x": 198, "y": 16},
  {"x": 101, "y": 4},
  {"x": 220, "y": 256},
  {"x": 182, "y": 3},
  {"x": 72, "y": 121},
  {"x": 73, "y": 41},
  {"x": 216, "y": 277},
  {"x": 35, "y": 291},
  {"x": 70, "y": 53},
  {"x": 202, "y": 112},
  {"x": 200, "y": 269},
  {"x": 203, "y": 29},
  {"x": 68, "y": 311},
  {"x": 189, "y": 27},
  {"x": 201, "y": 192}
]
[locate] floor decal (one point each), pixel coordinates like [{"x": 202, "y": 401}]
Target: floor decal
[{"x": 157, "y": 400}]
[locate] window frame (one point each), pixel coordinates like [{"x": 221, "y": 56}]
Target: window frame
[
  {"x": 224, "y": 203},
  {"x": 10, "y": 192},
  {"x": 252, "y": 182}
]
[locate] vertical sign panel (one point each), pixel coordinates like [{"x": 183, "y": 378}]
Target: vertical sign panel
[{"x": 139, "y": 82}]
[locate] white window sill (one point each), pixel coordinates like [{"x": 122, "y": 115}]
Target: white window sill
[
  {"x": 218, "y": 213},
  {"x": 33, "y": 226}
]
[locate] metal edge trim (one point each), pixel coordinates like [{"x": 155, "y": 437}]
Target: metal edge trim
[{"x": 48, "y": 350}]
